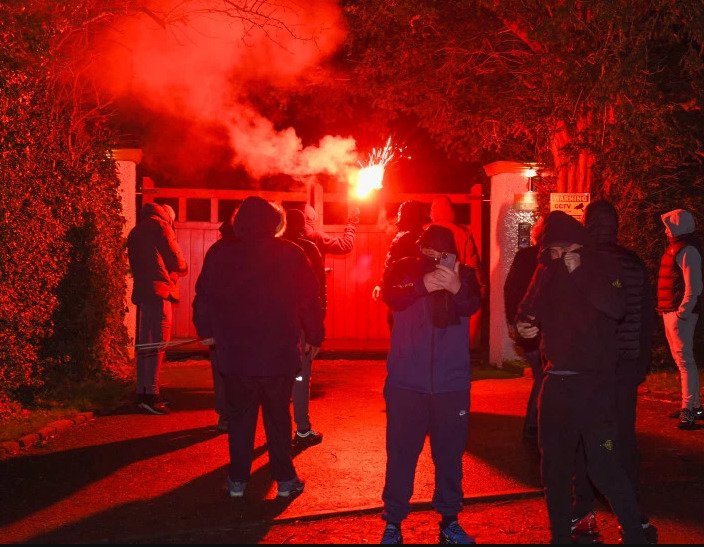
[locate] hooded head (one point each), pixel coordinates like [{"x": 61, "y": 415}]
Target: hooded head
[
  {"x": 411, "y": 216},
  {"x": 441, "y": 210},
  {"x": 295, "y": 222},
  {"x": 310, "y": 214},
  {"x": 678, "y": 222},
  {"x": 563, "y": 229},
  {"x": 151, "y": 210},
  {"x": 439, "y": 238},
  {"x": 256, "y": 218},
  {"x": 536, "y": 233},
  {"x": 170, "y": 211},
  {"x": 601, "y": 221}
]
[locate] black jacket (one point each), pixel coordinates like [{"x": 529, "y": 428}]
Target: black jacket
[
  {"x": 577, "y": 312},
  {"x": 254, "y": 295},
  {"x": 517, "y": 282}
]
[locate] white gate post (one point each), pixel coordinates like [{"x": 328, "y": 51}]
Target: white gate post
[
  {"x": 508, "y": 178},
  {"x": 126, "y": 160}
]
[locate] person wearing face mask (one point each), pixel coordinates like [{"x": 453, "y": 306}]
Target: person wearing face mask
[
  {"x": 575, "y": 301},
  {"x": 428, "y": 378}
]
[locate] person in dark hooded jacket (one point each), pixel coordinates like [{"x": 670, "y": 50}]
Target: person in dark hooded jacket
[
  {"x": 410, "y": 220},
  {"x": 516, "y": 284},
  {"x": 254, "y": 295},
  {"x": 156, "y": 262},
  {"x": 575, "y": 301},
  {"x": 634, "y": 343},
  {"x": 305, "y": 434},
  {"x": 428, "y": 379}
]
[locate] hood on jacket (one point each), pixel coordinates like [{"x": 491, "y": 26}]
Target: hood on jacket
[
  {"x": 411, "y": 216},
  {"x": 441, "y": 210},
  {"x": 678, "y": 222},
  {"x": 295, "y": 223},
  {"x": 154, "y": 210},
  {"x": 563, "y": 229},
  {"x": 439, "y": 238},
  {"x": 601, "y": 221},
  {"x": 310, "y": 215},
  {"x": 256, "y": 218}
]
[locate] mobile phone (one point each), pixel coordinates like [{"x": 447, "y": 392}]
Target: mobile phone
[{"x": 448, "y": 259}]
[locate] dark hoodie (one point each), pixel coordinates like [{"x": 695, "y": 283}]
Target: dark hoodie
[
  {"x": 635, "y": 330},
  {"x": 577, "y": 312},
  {"x": 295, "y": 232},
  {"x": 254, "y": 295},
  {"x": 156, "y": 260},
  {"x": 424, "y": 356}
]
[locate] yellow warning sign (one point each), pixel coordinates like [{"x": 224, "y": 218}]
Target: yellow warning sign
[{"x": 572, "y": 203}]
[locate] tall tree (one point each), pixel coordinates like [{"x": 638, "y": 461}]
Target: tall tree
[{"x": 607, "y": 94}]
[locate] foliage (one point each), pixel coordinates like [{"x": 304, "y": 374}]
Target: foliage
[
  {"x": 62, "y": 264},
  {"x": 608, "y": 95}
]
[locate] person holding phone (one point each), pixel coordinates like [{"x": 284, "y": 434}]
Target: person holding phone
[
  {"x": 575, "y": 301},
  {"x": 431, "y": 295}
]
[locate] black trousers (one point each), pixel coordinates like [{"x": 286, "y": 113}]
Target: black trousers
[
  {"x": 245, "y": 395},
  {"x": 410, "y": 416},
  {"x": 581, "y": 409},
  {"x": 627, "y": 448}
]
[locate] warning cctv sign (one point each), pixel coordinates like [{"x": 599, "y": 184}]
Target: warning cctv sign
[{"x": 571, "y": 203}]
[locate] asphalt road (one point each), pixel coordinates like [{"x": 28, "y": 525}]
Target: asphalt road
[{"x": 134, "y": 478}]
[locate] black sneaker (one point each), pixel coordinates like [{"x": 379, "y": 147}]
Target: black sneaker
[
  {"x": 698, "y": 413},
  {"x": 649, "y": 530},
  {"x": 307, "y": 438},
  {"x": 585, "y": 530},
  {"x": 157, "y": 408},
  {"x": 290, "y": 488},
  {"x": 392, "y": 536},
  {"x": 455, "y": 534},
  {"x": 686, "y": 419}
]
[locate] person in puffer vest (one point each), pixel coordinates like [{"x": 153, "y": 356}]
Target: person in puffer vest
[
  {"x": 634, "y": 343},
  {"x": 428, "y": 378},
  {"x": 679, "y": 296}
]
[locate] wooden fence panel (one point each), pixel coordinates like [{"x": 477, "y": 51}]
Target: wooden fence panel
[{"x": 354, "y": 321}]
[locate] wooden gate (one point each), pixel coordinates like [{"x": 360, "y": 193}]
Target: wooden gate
[{"x": 354, "y": 321}]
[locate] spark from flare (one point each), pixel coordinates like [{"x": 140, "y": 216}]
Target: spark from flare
[{"x": 370, "y": 176}]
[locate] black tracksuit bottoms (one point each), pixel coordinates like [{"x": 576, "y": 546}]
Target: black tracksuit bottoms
[
  {"x": 244, "y": 395},
  {"x": 574, "y": 409},
  {"x": 410, "y": 416}
]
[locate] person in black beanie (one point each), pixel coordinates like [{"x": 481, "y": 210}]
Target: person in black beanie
[
  {"x": 575, "y": 301},
  {"x": 428, "y": 378}
]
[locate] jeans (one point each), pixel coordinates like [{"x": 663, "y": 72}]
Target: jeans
[{"x": 154, "y": 326}]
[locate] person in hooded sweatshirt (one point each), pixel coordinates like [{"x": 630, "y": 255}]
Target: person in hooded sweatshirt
[
  {"x": 428, "y": 379},
  {"x": 679, "y": 301},
  {"x": 254, "y": 295},
  {"x": 634, "y": 342},
  {"x": 575, "y": 301},
  {"x": 411, "y": 217},
  {"x": 516, "y": 284},
  {"x": 226, "y": 232},
  {"x": 305, "y": 435},
  {"x": 341, "y": 244},
  {"x": 156, "y": 262}
]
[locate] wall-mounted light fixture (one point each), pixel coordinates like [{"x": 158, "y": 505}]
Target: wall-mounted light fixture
[{"x": 527, "y": 201}]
